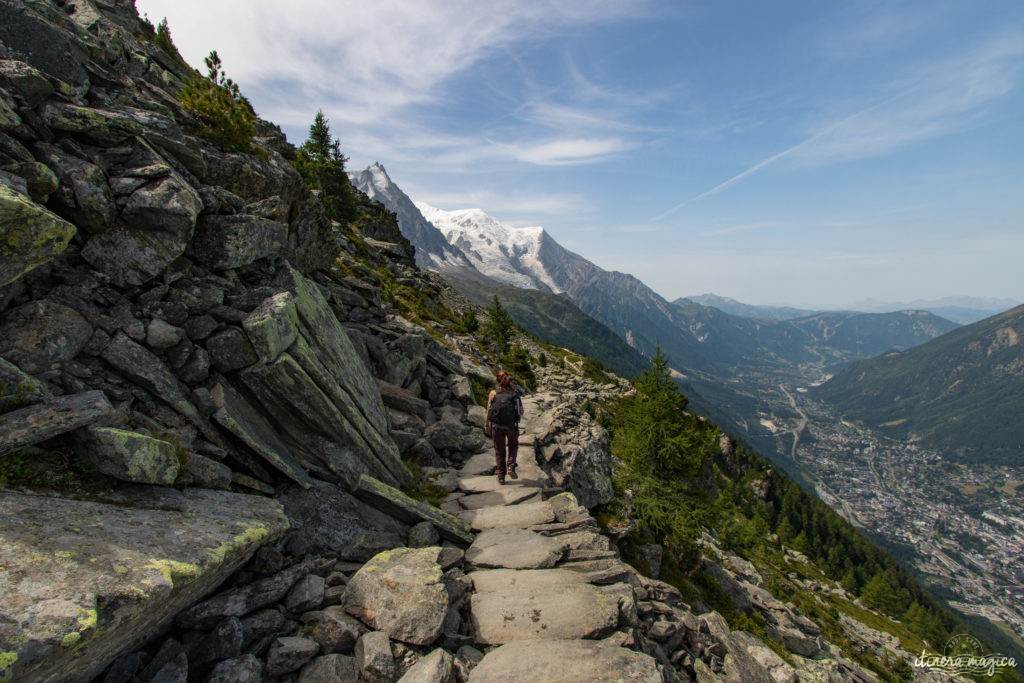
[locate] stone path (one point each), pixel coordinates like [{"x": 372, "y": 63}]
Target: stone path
[{"x": 547, "y": 590}]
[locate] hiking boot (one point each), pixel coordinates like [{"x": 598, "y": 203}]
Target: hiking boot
[
  {"x": 501, "y": 479},
  {"x": 512, "y": 473}
]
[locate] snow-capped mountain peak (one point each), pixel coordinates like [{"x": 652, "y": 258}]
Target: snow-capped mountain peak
[
  {"x": 432, "y": 249},
  {"x": 500, "y": 251}
]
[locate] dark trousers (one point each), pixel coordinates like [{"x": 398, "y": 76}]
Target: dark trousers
[{"x": 503, "y": 460}]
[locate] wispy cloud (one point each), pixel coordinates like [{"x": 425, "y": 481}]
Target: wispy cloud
[
  {"x": 567, "y": 152},
  {"x": 745, "y": 227},
  {"x": 367, "y": 64},
  {"x": 930, "y": 101}
]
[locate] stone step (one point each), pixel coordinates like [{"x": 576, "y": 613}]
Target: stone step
[
  {"x": 520, "y": 516},
  {"x": 585, "y": 554},
  {"x": 591, "y": 566},
  {"x": 505, "y": 495},
  {"x": 497, "y": 580},
  {"x": 570, "y": 661},
  {"x": 479, "y": 464},
  {"x": 549, "y": 611},
  {"x": 513, "y": 548}
]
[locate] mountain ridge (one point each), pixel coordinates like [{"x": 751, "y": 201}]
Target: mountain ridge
[{"x": 972, "y": 373}]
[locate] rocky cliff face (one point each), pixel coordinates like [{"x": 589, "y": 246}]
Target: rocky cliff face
[{"x": 173, "y": 315}]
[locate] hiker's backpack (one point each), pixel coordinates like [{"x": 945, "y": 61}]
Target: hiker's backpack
[{"x": 504, "y": 409}]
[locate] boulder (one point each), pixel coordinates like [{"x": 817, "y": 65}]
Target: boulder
[
  {"x": 451, "y": 437},
  {"x": 42, "y": 334},
  {"x": 84, "y": 195},
  {"x": 330, "y": 668},
  {"x": 244, "y": 669},
  {"x": 576, "y": 453},
  {"x": 651, "y": 554},
  {"x": 168, "y": 205},
  {"x": 18, "y": 389},
  {"x": 273, "y": 326},
  {"x": 130, "y": 456},
  {"x": 423, "y": 535},
  {"x": 237, "y": 602},
  {"x": 437, "y": 667},
  {"x": 29, "y": 82},
  {"x": 101, "y": 125},
  {"x": 160, "y": 334},
  {"x": 336, "y": 631},
  {"x": 327, "y": 441},
  {"x": 82, "y": 582},
  {"x": 305, "y": 595},
  {"x": 40, "y": 181},
  {"x": 231, "y": 350},
  {"x": 733, "y": 588},
  {"x": 198, "y": 470},
  {"x": 41, "y": 421},
  {"x": 130, "y": 257},
  {"x": 289, "y": 653},
  {"x": 402, "y": 593},
  {"x": 242, "y": 420},
  {"x": 223, "y": 242},
  {"x": 29, "y": 235},
  {"x": 402, "y": 400},
  {"x": 375, "y": 661}
]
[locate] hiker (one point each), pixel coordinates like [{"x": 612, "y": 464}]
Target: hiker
[{"x": 504, "y": 408}]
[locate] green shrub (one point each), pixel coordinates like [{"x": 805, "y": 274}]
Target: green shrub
[
  {"x": 470, "y": 323},
  {"x": 594, "y": 370},
  {"x": 222, "y": 114}
]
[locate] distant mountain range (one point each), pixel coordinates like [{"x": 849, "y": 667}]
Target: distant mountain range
[
  {"x": 698, "y": 339},
  {"x": 734, "y": 307},
  {"x": 960, "y": 309},
  {"x": 962, "y": 392}
]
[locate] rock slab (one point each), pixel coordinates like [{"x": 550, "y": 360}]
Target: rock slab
[
  {"x": 566, "y": 661},
  {"x": 76, "y": 573}
]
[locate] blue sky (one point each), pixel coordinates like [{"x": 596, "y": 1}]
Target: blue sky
[{"x": 810, "y": 153}]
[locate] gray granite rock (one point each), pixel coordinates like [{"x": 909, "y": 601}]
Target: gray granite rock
[
  {"x": 513, "y": 548},
  {"x": 375, "y": 661},
  {"x": 61, "y": 558},
  {"x": 400, "y": 592},
  {"x": 330, "y": 668},
  {"x": 289, "y": 653},
  {"x": 575, "y": 661},
  {"x": 244, "y": 669},
  {"x": 436, "y": 667}
]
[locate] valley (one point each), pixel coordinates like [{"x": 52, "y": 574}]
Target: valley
[{"x": 958, "y": 527}]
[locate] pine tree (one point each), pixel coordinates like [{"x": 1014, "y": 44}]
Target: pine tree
[
  {"x": 654, "y": 433},
  {"x": 322, "y": 165},
  {"x": 499, "y": 325}
]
